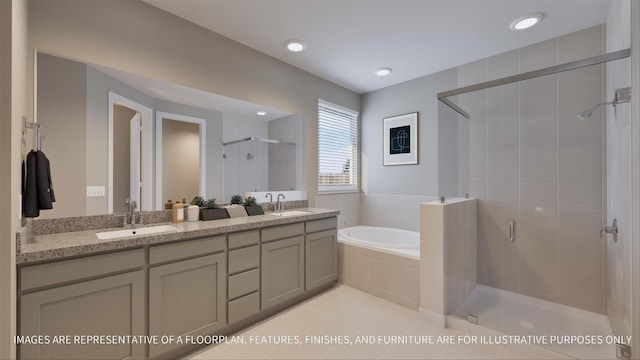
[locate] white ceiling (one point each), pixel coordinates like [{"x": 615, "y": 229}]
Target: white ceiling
[{"x": 347, "y": 40}]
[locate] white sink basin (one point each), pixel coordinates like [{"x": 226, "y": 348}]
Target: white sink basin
[
  {"x": 105, "y": 235},
  {"x": 290, "y": 213}
]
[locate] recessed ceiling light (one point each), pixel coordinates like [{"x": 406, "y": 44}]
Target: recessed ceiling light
[
  {"x": 526, "y": 22},
  {"x": 295, "y": 45},
  {"x": 261, "y": 113},
  {"x": 383, "y": 71}
]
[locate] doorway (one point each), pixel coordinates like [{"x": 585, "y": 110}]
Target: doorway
[{"x": 130, "y": 152}]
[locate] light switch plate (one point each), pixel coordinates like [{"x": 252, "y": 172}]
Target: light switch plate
[{"x": 94, "y": 191}]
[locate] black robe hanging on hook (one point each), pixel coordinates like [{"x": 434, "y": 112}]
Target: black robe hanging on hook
[{"x": 38, "y": 187}]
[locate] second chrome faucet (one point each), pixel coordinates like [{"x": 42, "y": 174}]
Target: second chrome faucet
[{"x": 279, "y": 205}]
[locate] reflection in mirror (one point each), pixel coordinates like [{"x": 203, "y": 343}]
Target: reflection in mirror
[
  {"x": 124, "y": 160},
  {"x": 180, "y": 157},
  {"x": 263, "y": 156},
  {"x": 129, "y": 153},
  {"x": 71, "y": 104}
]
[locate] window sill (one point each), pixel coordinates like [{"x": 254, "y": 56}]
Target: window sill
[{"x": 338, "y": 191}]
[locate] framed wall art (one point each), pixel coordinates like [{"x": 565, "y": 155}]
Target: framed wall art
[{"x": 400, "y": 139}]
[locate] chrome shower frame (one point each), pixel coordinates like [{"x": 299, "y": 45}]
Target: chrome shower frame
[{"x": 443, "y": 96}]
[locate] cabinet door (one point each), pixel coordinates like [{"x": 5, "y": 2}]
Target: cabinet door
[
  {"x": 282, "y": 270},
  {"x": 112, "y": 305},
  {"x": 187, "y": 298},
  {"x": 321, "y": 255}
]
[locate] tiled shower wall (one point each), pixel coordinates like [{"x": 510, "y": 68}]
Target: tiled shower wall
[{"x": 526, "y": 156}]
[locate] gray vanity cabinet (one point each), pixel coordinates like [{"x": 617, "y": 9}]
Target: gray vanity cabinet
[
  {"x": 282, "y": 264},
  {"x": 171, "y": 290},
  {"x": 101, "y": 295},
  {"x": 321, "y": 253},
  {"x": 187, "y": 294}
]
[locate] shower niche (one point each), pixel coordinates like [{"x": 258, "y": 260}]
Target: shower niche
[{"x": 528, "y": 140}]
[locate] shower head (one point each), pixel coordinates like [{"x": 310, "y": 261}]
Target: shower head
[
  {"x": 587, "y": 114},
  {"x": 623, "y": 95}
]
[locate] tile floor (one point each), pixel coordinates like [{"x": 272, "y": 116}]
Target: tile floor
[{"x": 345, "y": 311}]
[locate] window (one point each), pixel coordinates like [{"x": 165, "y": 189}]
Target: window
[{"x": 337, "y": 148}]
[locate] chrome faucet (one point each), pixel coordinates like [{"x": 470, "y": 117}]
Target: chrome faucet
[
  {"x": 269, "y": 196},
  {"x": 279, "y": 205},
  {"x": 131, "y": 216}
]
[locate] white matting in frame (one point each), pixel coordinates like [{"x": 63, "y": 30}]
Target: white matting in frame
[{"x": 400, "y": 139}]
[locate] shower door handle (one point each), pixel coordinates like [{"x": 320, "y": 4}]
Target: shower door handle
[
  {"x": 512, "y": 231},
  {"x": 613, "y": 230}
]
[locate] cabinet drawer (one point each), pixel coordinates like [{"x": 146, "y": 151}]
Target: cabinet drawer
[
  {"x": 244, "y": 307},
  {"x": 244, "y": 283},
  {"x": 322, "y": 224},
  {"x": 35, "y": 276},
  {"x": 185, "y": 249},
  {"x": 282, "y": 232},
  {"x": 244, "y": 239},
  {"x": 244, "y": 259}
]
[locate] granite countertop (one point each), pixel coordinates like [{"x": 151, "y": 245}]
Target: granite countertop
[{"x": 61, "y": 245}]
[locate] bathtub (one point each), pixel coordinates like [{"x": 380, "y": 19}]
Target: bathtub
[
  {"x": 393, "y": 241},
  {"x": 384, "y": 262}
]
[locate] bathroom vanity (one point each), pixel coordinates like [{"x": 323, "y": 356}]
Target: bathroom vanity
[{"x": 151, "y": 296}]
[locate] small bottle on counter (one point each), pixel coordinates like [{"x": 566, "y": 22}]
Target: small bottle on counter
[
  {"x": 168, "y": 205},
  {"x": 178, "y": 213},
  {"x": 193, "y": 213}
]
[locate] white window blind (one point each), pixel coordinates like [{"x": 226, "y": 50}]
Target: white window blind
[{"x": 337, "y": 148}]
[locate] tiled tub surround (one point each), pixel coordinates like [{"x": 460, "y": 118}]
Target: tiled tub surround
[
  {"x": 392, "y": 210},
  {"x": 34, "y": 248},
  {"x": 392, "y": 277},
  {"x": 448, "y": 253}
]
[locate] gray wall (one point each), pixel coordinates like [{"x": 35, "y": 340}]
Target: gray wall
[
  {"x": 417, "y": 95},
  {"x": 62, "y": 109},
  {"x": 139, "y": 38},
  {"x": 392, "y": 194}
]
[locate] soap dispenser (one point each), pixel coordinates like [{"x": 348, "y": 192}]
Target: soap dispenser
[{"x": 178, "y": 212}]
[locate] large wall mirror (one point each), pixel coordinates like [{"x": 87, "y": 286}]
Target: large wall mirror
[{"x": 112, "y": 135}]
